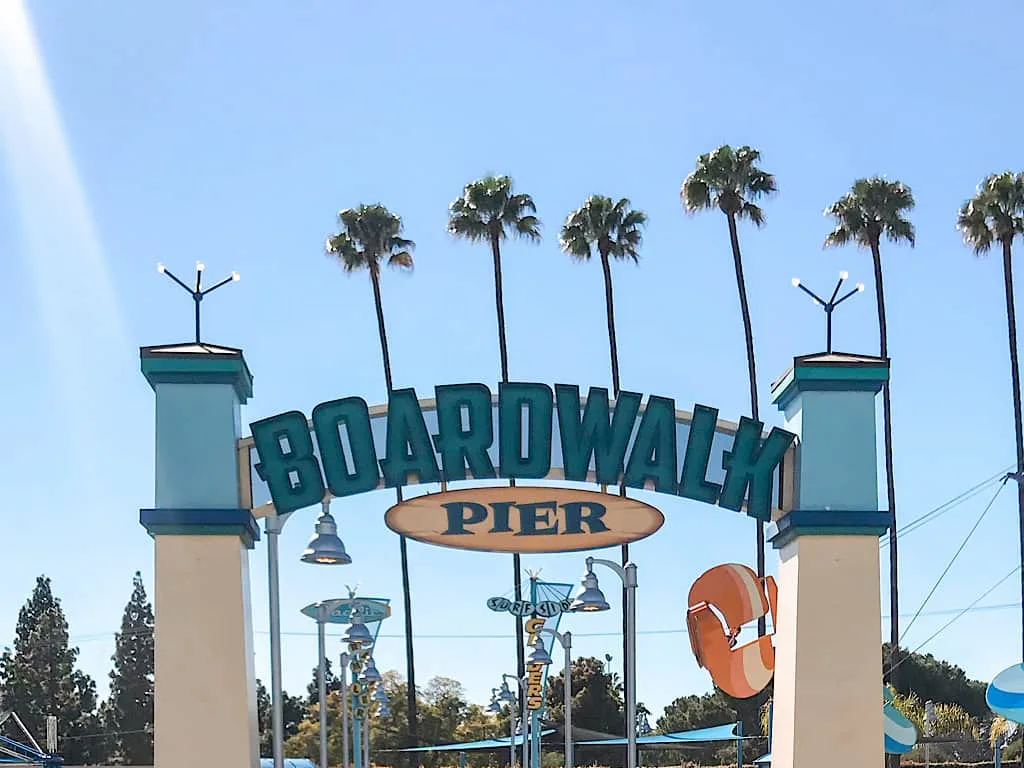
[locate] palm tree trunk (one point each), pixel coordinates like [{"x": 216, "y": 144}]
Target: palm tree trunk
[
  {"x": 517, "y": 579},
  {"x": 748, "y": 335},
  {"x": 890, "y": 484},
  {"x": 1011, "y": 325},
  {"x": 613, "y": 350},
  {"x": 403, "y": 549}
]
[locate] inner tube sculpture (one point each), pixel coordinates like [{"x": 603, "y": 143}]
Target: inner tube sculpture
[{"x": 721, "y": 601}]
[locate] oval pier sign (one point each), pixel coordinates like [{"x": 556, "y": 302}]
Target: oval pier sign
[{"x": 524, "y": 519}]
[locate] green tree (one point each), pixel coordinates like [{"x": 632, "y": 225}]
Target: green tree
[
  {"x": 730, "y": 180},
  {"x": 38, "y": 678},
  {"x": 596, "y": 697},
  {"x": 699, "y": 711},
  {"x": 129, "y": 710},
  {"x": 933, "y": 679},
  {"x": 445, "y": 709},
  {"x": 996, "y": 215},
  {"x": 615, "y": 231},
  {"x": 489, "y": 211},
  {"x": 872, "y": 209},
  {"x": 369, "y": 236},
  {"x": 333, "y": 683},
  {"x": 294, "y": 711}
]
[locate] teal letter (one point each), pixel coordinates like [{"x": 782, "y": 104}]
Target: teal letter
[
  {"x": 654, "y": 451},
  {"x": 751, "y": 462},
  {"x": 537, "y": 399},
  {"x": 593, "y": 435},
  {"x": 328, "y": 418},
  {"x": 409, "y": 452},
  {"x": 530, "y": 514},
  {"x": 460, "y": 448},
  {"x": 276, "y": 466},
  {"x": 694, "y": 483},
  {"x": 458, "y": 518},
  {"x": 500, "y": 509},
  {"x": 575, "y": 517}
]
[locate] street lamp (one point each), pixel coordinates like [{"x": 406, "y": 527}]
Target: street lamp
[
  {"x": 505, "y": 694},
  {"x": 273, "y": 526},
  {"x": 345, "y": 658},
  {"x": 591, "y": 599},
  {"x": 198, "y": 292},
  {"x": 565, "y": 640},
  {"x": 325, "y": 548},
  {"x": 357, "y": 633},
  {"x": 830, "y": 305}
]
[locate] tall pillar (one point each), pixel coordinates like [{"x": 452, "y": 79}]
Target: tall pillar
[
  {"x": 205, "y": 683},
  {"x": 828, "y": 634}
]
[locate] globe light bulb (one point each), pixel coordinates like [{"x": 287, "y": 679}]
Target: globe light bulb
[
  {"x": 796, "y": 282},
  {"x": 843, "y": 275}
]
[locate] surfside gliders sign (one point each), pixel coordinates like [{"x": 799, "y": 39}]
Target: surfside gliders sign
[{"x": 529, "y": 431}]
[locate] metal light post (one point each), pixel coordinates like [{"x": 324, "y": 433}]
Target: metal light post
[
  {"x": 370, "y": 678},
  {"x": 198, "y": 292},
  {"x": 930, "y": 716},
  {"x": 565, "y": 640},
  {"x": 326, "y": 549},
  {"x": 591, "y": 599},
  {"x": 830, "y": 305},
  {"x": 321, "y": 680},
  {"x": 506, "y": 694},
  {"x": 344, "y": 710}
]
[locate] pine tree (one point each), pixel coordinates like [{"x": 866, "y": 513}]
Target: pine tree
[
  {"x": 129, "y": 712},
  {"x": 38, "y": 678}
]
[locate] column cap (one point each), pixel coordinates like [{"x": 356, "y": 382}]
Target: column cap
[
  {"x": 192, "y": 363},
  {"x": 830, "y": 371}
]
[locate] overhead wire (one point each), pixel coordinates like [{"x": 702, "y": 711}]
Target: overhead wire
[{"x": 956, "y": 554}]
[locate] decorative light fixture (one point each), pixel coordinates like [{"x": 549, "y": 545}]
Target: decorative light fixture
[
  {"x": 540, "y": 654},
  {"x": 370, "y": 673},
  {"x": 590, "y": 598},
  {"x": 357, "y": 634},
  {"x": 325, "y": 548}
]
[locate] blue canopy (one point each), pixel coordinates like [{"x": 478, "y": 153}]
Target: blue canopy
[
  {"x": 468, "y": 746},
  {"x": 289, "y": 762},
  {"x": 765, "y": 759},
  {"x": 725, "y": 732}
]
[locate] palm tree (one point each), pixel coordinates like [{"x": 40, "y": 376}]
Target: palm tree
[
  {"x": 996, "y": 214},
  {"x": 489, "y": 211},
  {"x": 730, "y": 180},
  {"x": 873, "y": 208},
  {"x": 614, "y": 230},
  {"x": 370, "y": 235}
]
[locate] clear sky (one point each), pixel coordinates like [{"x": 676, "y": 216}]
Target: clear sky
[{"x": 233, "y": 133}]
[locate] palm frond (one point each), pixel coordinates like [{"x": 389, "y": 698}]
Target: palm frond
[
  {"x": 370, "y": 233},
  {"x": 995, "y": 213},
  {"x": 488, "y": 209},
  {"x": 871, "y": 208},
  {"x": 614, "y": 228}
]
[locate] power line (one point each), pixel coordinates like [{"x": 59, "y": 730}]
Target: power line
[
  {"x": 946, "y": 506},
  {"x": 949, "y": 623},
  {"x": 956, "y": 554}
]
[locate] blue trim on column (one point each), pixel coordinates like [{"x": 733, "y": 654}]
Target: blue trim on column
[
  {"x": 202, "y": 522},
  {"x": 811, "y": 375},
  {"x": 160, "y": 366},
  {"x": 814, "y": 522}
]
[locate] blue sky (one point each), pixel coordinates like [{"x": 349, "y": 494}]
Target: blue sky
[{"x": 175, "y": 132}]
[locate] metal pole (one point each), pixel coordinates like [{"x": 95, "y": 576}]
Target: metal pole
[
  {"x": 344, "y": 711},
  {"x": 828, "y": 330},
  {"x": 630, "y": 582},
  {"x": 739, "y": 744},
  {"x": 357, "y": 722},
  {"x": 273, "y": 528},
  {"x": 321, "y": 683},
  {"x": 366, "y": 742},
  {"x": 526, "y": 727},
  {"x": 567, "y": 644},
  {"x": 512, "y": 733}
]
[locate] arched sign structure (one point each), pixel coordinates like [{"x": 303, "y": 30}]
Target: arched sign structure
[{"x": 528, "y": 431}]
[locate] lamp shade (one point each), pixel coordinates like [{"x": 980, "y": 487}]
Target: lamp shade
[
  {"x": 383, "y": 710},
  {"x": 325, "y": 548},
  {"x": 380, "y": 695},
  {"x": 357, "y": 633},
  {"x": 590, "y": 598},
  {"x": 539, "y": 654},
  {"x": 370, "y": 673}
]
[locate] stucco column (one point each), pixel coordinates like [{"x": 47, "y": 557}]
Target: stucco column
[
  {"x": 828, "y": 658},
  {"x": 203, "y": 532}
]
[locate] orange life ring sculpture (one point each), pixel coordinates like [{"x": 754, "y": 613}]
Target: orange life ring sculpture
[{"x": 734, "y": 593}]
